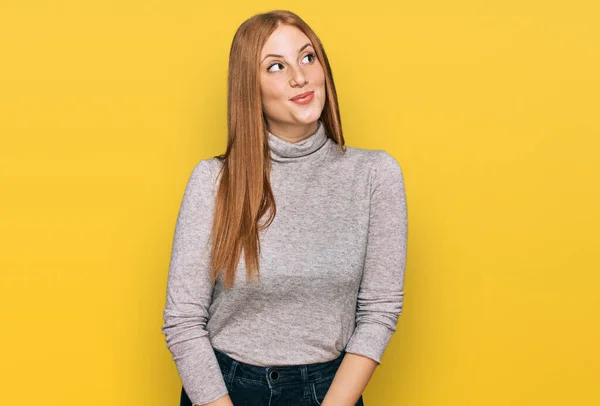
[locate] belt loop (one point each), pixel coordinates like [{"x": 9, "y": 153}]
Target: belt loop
[
  {"x": 304, "y": 373},
  {"x": 232, "y": 369}
]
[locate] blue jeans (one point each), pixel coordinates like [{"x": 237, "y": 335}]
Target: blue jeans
[{"x": 293, "y": 385}]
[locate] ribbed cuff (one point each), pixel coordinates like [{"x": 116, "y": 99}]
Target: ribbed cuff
[{"x": 369, "y": 340}]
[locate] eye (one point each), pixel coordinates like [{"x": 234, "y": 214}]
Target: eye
[
  {"x": 270, "y": 66},
  {"x": 312, "y": 55}
]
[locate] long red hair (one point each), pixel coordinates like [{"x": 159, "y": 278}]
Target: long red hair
[{"x": 244, "y": 195}]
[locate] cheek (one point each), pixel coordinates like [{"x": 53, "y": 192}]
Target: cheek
[
  {"x": 318, "y": 77},
  {"x": 318, "y": 70},
  {"x": 271, "y": 90}
]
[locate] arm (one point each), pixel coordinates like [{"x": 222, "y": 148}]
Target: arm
[
  {"x": 350, "y": 380},
  {"x": 224, "y": 401},
  {"x": 189, "y": 294},
  {"x": 381, "y": 293}
]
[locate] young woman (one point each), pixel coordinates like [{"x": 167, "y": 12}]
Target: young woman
[{"x": 287, "y": 268}]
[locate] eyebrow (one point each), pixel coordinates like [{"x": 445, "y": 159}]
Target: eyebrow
[{"x": 281, "y": 56}]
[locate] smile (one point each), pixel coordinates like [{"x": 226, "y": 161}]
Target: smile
[{"x": 304, "y": 98}]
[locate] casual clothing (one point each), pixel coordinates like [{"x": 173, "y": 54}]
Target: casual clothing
[
  {"x": 250, "y": 385},
  {"x": 331, "y": 264}
]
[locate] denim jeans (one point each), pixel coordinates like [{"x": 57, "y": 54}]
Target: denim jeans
[{"x": 290, "y": 385}]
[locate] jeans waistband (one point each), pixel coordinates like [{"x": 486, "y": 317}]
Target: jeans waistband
[{"x": 278, "y": 375}]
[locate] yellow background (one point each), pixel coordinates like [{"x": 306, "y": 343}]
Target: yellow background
[{"x": 491, "y": 108}]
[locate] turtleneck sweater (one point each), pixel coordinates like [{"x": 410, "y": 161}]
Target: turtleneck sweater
[
  {"x": 283, "y": 151},
  {"x": 332, "y": 266}
]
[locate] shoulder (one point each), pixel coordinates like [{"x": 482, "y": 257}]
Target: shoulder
[
  {"x": 379, "y": 162},
  {"x": 385, "y": 162},
  {"x": 206, "y": 168},
  {"x": 202, "y": 179}
]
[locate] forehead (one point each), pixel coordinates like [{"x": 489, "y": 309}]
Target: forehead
[{"x": 286, "y": 39}]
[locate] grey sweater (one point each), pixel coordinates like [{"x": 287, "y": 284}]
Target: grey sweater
[{"x": 332, "y": 266}]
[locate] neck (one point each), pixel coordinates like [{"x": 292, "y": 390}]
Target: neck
[
  {"x": 293, "y": 133},
  {"x": 307, "y": 148}
]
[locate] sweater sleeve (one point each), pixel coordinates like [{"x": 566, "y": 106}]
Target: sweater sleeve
[
  {"x": 380, "y": 296},
  {"x": 189, "y": 292}
]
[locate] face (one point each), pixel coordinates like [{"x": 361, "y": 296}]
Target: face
[{"x": 289, "y": 67}]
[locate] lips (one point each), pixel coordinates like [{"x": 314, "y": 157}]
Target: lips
[{"x": 301, "y": 96}]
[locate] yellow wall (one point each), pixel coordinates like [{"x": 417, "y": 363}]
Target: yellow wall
[{"x": 492, "y": 109}]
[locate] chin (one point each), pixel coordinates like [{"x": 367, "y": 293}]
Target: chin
[{"x": 309, "y": 118}]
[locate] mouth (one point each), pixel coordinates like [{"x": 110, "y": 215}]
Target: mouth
[{"x": 303, "y": 98}]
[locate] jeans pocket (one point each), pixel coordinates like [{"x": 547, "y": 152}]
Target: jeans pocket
[
  {"x": 246, "y": 392},
  {"x": 320, "y": 388},
  {"x": 228, "y": 383}
]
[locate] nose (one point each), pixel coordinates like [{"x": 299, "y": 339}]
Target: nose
[{"x": 298, "y": 78}]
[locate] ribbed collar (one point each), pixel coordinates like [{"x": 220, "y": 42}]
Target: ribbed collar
[{"x": 285, "y": 151}]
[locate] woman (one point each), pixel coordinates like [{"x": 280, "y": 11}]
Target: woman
[{"x": 286, "y": 275}]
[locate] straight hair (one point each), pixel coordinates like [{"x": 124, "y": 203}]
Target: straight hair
[{"x": 244, "y": 195}]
